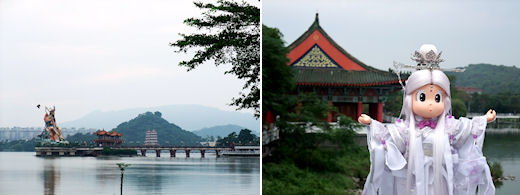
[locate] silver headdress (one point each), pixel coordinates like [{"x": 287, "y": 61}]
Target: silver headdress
[{"x": 427, "y": 57}]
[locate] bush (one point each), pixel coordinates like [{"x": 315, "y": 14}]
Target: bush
[{"x": 109, "y": 151}]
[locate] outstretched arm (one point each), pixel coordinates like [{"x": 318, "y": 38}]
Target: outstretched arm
[
  {"x": 365, "y": 119},
  {"x": 491, "y": 115}
]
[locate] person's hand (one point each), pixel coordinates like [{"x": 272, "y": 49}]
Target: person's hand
[
  {"x": 364, "y": 119},
  {"x": 491, "y": 115}
]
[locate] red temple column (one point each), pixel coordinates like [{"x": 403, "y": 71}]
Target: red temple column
[
  {"x": 187, "y": 153},
  {"x": 202, "y": 153},
  {"x": 380, "y": 111},
  {"x": 172, "y": 153},
  {"x": 359, "y": 109}
]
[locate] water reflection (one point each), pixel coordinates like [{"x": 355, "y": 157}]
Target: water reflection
[
  {"x": 501, "y": 145},
  {"x": 50, "y": 177},
  {"x": 24, "y": 173}
]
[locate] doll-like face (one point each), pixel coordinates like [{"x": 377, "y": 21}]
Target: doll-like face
[{"x": 428, "y": 101}]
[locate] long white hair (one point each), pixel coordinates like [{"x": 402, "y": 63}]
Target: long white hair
[{"x": 416, "y": 80}]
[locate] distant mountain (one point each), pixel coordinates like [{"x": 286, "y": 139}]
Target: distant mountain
[
  {"x": 190, "y": 117},
  {"x": 167, "y": 133},
  {"x": 492, "y": 79},
  {"x": 221, "y": 130}
]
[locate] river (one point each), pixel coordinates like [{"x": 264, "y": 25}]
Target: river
[
  {"x": 505, "y": 149},
  {"x": 24, "y": 173}
]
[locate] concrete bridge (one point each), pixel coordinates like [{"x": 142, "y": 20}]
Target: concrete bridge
[
  {"x": 95, "y": 151},
  {"x": 173, "y": 149},
  {"x": 64, "y": 151}
]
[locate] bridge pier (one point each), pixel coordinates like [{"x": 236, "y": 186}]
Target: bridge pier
[
  {"x": 202, "y": 153},
  {"x": 187, "y": 153},
  {"x": 143, "y": 152},
  {"x": 172, "y": 153},
  {"x": 157, "y": 153},
  {"x": 216, "y": 152}
]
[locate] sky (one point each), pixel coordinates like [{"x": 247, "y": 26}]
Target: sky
[
  {"x": 83, "y": 56},
  {"x": 380, "y": 32}
]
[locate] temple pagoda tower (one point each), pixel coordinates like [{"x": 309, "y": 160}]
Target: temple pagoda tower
[
  {"x": 337, "y": 77},
  {"x": 151, "y": 138}
]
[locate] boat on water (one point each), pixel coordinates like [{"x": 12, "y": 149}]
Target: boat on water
[{"x": 242, "y": 151}]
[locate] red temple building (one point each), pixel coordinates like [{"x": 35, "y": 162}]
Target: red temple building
[
  {"x": 106, "y": 138},
  {"x": 337, "y": 77}
]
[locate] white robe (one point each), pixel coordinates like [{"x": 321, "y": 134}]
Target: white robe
[{"x": 465, "y": 167}]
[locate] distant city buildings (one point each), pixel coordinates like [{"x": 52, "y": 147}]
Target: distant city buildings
[
  {"x": 27, "y": 133},
  {"x": 470, "y": 90},
  {"x": 209, "y": 143},
  {"x": 151, "y": 138}
]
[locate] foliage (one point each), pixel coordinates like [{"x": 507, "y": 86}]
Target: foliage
[
  {"x": 122, "y": 166},
  {"x": 394, "y": 103},
  {"x": 18, "y": 145},
  {"x": 167, "y": 133},
  {"x": 458, "y": 108},
  {"x": 233, "y": 38},
  {"x": 496, "y": 173},
  {"x": 277, "y": 78},
  {"x": 86, "y": 139},
  {"x": 109, "y": 151},
  {"x": 245, "y": 137},
  {"x": 492, "y": 79},
  {"x": 501, "y": 102},
  {"x": 316, "y": 163},
  {"x": 286, "y": 178}
]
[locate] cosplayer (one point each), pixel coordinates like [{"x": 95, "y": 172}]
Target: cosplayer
[{"x": 429, "y": 152}]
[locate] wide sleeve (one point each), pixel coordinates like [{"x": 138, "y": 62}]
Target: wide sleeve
[
  {"x": 463, "y": 129},
  {"x": 383, "y": 153}
]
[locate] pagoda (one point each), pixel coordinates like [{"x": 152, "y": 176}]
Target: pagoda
[
  {"x": 338, "y": 78},
  {"x": 151, "y": 138},
  {"x": 105, "y": 138}
]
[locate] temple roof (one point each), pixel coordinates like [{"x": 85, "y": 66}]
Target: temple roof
[
  {"x": 339, "y": 77},
  {"x": 319, "y": 60},
  {"x": 103, "y": 132}
]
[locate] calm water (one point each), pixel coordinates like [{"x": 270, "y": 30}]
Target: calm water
[
  {"x": 505, "y": 148},
  {"x": 24, "y": 173}
]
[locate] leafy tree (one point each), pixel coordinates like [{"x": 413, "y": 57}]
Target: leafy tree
[
  {"x": 243, "y": 138},
  {"x": 236, "y": 41},
  {"x": 277, "y": 78},
  {"x": 122, "y": 166}
]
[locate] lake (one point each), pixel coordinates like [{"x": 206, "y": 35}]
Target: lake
[
  {"x": 505, "y": 148},
  {"x": 24, "y": 173}
]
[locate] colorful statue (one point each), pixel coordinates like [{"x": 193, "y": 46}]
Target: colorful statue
[
  {"x": 430, "y": 152},
  {"x": 52, "y": 131}
]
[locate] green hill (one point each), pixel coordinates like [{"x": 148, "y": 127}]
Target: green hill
[
  {"x": 220, "y": 130},
  {"x": 492, "y": 79},
  {"x": 134, "y": 131}
]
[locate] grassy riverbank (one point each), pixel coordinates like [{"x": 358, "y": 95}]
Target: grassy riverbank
[
  {"x": 315, "y": 163},
  {"x": 286, "y": 177}
]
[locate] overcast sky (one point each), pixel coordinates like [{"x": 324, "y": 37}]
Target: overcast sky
[
  {"x": 99, "y": 55},
  {"x": 379, "y": 32}
]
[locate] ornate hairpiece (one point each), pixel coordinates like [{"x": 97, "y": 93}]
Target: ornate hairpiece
[{"x": 426, "y": 57}]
